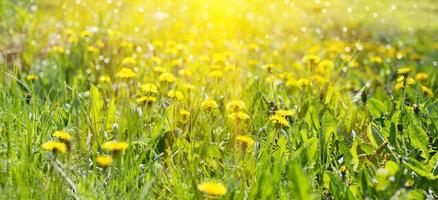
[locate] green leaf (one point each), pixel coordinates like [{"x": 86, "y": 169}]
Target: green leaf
[
  {"x": 96, "y": 109},
  {"x": 376, "y": 107},
  {"x": 111, "y": 116},
  {"x": 419, "y": 140},
  {"x": 353, "y": 151}
]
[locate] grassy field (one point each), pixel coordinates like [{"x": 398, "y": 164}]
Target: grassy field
[{"x": 229, "y": 99}]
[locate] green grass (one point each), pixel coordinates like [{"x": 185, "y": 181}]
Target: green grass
[{"x": 353, "y": 134}]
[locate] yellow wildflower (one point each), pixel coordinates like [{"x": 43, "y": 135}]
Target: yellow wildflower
[
  {"x": 311, "y": 59},
  {"x": 126, "y": 73},
  {"x": 149, "y": 88},
  {"x": 238, "y": 116},
  {"x": 146, "y": 99},
  {"x": 175, "y": 94},
  {"x": 55, "y": 147},
  {"x": 128, "y": 61},
  {"x": 427, "y": 91},
  {"x": 279, "y": 120},
  {"x": 185, "y": 116},
  {"x": 421, "y": 76},
  {"x": 235, "y": 106},
  {"x": 62, "y": 135},
  {"x": 404, "y": 71},
  {"x": 167, "y": 78},
  {"x": 212, "y": 188},
  {"x": 247, "y": 140},
  {"x": 31, "y": 77},
  {"x": 285, "y": 113},
  {"x": 104, "y": 161},
  {"x": 114, "y": 146},
  {"x": 209, "y": 104},
  {"x": 105, "y": 79}
]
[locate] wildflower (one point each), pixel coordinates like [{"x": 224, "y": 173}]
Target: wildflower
[
  {"x": 238, "y": 116},
  {"x": 279, "y": 120},
  {"x": 104, "y": 161},
  {"x": 403, "y": 71},
  {"x": 303, "y": 82},
  {"x": 149, "y": 88},
  {"x": 85, "y": 34},
  {"x": 189, "y": 87},
  {"x": 291, "y": 83},
  {"x": 73, "y": 39},
  {"x": 376, "y": 59},
  {"x": 146, "y": 99},
  {"x": 399, "y": 86},
  {"x": 167, "y": 78},
  {"x": 311, "y": 59},
  {"x": 212, "y": 188},
  {"x": 324, "y": 66},
  {"x": 427, "y": 91},
  {"x": 209, "y": 105},
  {"x": 185, "y": 72},
  {"x": 128, "y": 61},
  {"x": 126, "y": 73},
  {"x": 175, "y": 94},
  {"x": 285, "y": 113},
  {"x": 105, "y": 79},
  {"x": 62, "y": 135},
  {"x": 247, "y": 140},
  {"x": 58, "y": 49},
  {"x": 31, "y": 77},
  {"x": 92, "y": 49},
  {"x": 185, "y": 116},
  {"x": 235, "y": 106},
  {"x": 55, "y": 147},
  {"x": 114, "y": 146},
  {"x": 421, "y": 76}
]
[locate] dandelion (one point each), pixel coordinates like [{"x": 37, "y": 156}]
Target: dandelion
[
  {"x": 55, "y": 147},
  {"x": 238, "y": 116},
  {"x": 376, "y": 59},
  {"x": 104, "y": 161},
  {"x": 184, "y": 116},
  {"x": 209, "y": 105},
  {"x": 279, "y": 120},
  {"x": 104, "y": 79},
  {"x": 427, "y": 91},
  {"x": 62, "y": 135},
  {"x": 167, "y": 78},
  {"x": 247, "y": 140},
  {"x": 235, "y": 106},
  {"x": 404, "y": 71},
  {"x": 149, "y": 88},
  {"x": 212, "y": 188},
  {"x": 175, "y": 94},
  {"x": 128, "y": 61},
  {"x": 189, "y": 87},
  {"x": 93, "y": 49},
  {"x": 114, "y": 146},
  {"x": 285, "y": 113},
  {"x": 303, "y": 83},
  {"x": 31, "y": 77},
  {"x": 399, "y": 86},
  {"x": 146, "y": 99},
  {"x": 185, "y": 72},
  {"x": 126, "y": 73},
  {"x": 421, "y": 76},
  {"x": 311, "y": 59},
  {"x": 85, "y": 34}
]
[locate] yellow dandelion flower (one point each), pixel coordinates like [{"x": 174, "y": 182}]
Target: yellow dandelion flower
[
  {"x": 324, "y": 66},
  {"x": 114, "y": 146},
  {"x": 212, "y": 188},
  {"x": 85, "y": 34},
  {"x": 303, "y": 82},
  {"x": 291, "y": 83},
  {"x": 279, "y": 120},
  {"x": 185, "y": 72},
  {"x": 31, "y": 77},
  {"x": 235, "y": 106},
  {"x": 285, "y": 113},
  {"x": 93, "y": 49},
  {"x": 149, "y": 88},
  {"x": 189, "y": 87},
  {"x": 311, "y": 59},
  {"x": 376, "y": 59},
  {"x": 104, "y": 161},
  {"x": 421, "y": 76},
  {"x": 73, "y": 39},
  {"x": 238, "y": 116},
  {"x": 126, "y": 73},
  {"x": 404, "y": 71},
  {"x": 58, "y": 49},
  {"x": 399, "y": 86},
  {"x": 167, "y": 78},
  {"x": 128, "y": 61},
  {"x": 410, "y": 81},
  {"x": 247, "y": 140},
  {"x": 146, "y": 99},
  {"x": 184, "y": 116},
  {"x": 209, "y": 104},
  {"x": 427, "y": 91},
  {"x": 105, "y": 79},
  {"x": 55, "y": 147},
  {"x": 175, "y": 94},
  {"x": 62, "y": 135}
]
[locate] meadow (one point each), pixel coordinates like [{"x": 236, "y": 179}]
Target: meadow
[{"x": 229, "y": 99}]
